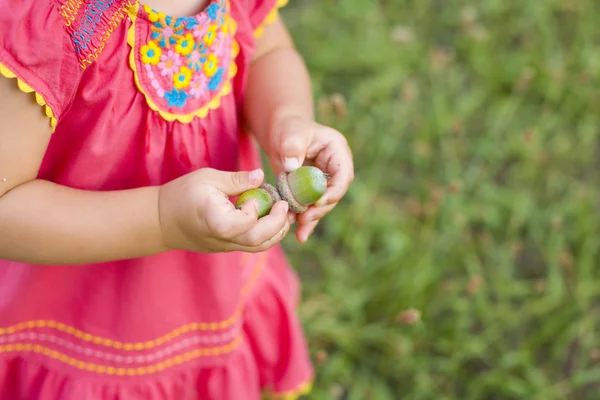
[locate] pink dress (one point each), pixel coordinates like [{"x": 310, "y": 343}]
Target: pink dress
[{"x": 139, "y": 98}]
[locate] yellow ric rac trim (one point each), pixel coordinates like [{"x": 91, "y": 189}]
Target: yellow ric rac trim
[
  {"x": 108, "y": 370},
  {"x": 193, "y": 327},
  {"x": 212, "y": 105},
  {"x": 270, "y": 18},
  {"x": 294, "y": 394},
  {"x": 4, "y": 71}
]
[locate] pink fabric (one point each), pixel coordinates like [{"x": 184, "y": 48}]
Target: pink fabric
[{"x": 177, "y": 325}]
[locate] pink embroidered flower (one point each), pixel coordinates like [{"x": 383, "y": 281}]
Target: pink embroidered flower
[
  {"x": 202, "y": 27},
  {"x": 167, "y": 33},
  {"x": 194, "y": 60},
  {"x": 169, "y": 63},
  {"x": 198, "y": 87},
  {"x": 223, "y": 49}
]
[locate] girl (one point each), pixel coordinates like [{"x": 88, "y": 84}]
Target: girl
[{"x": 127, "y": 272}]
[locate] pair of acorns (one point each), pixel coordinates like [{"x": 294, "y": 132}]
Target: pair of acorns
[{"x": 300, "y": 188}]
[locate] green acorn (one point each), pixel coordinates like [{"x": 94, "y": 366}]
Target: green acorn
[
  {"x": 300, "y": 188},
  {"x": 265, "y": 200}
]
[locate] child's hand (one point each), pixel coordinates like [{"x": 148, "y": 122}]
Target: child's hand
[
  {"x": 298, "y": 141},
  {"x": 197, "y": 215}
]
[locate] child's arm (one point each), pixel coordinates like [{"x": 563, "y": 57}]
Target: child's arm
[
  {"x": 279, "y": 111},
  {"x": 41, "y": 222},
  {"x": 278, "y": 85},
  {"x": 45, "y": 223}
]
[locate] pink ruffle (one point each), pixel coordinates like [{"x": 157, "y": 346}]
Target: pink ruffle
[{"x": 272, "y": 356}]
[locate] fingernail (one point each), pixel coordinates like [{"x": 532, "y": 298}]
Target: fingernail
[
  {"x": 254, "y": 175},
  {"x": 321, "y": 202},
  {"x": 286, "y": 207},
  {"x": 291, "y": 164}
]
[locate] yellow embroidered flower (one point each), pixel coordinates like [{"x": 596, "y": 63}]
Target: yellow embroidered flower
[
  {"x": 151, "y": 53},
  {"x": 183, "y": 78},
  {"x": 211, "y": 65},
  {"x": 185, "y": 44},
  {"x": 211, "y": 34},
  {"x": 154, "y": 16},
  {"x": 225, "y": 26}
]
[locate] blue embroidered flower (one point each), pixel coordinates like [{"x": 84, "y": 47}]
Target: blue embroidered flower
[
  {"x": 212, "y": 11},
  {"x": 190, "y": 22},
  {"x": 176, "y": 98},
  {"x": 216, "y": 80}
]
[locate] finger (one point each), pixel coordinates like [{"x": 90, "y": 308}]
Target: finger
[
  {"x": 315, "y": 213},
  {"x": 293, "y": 137},
  {"x": 336, "y": 160},
  {"x": 304, "y": 231},
  {"x": 232, "y": 183},
  {"x": 225, "y": 221},
  {"x": 266, "y": 228},
  {"x": 292, "y": 218},
  {"x": 277, "y": 238}
]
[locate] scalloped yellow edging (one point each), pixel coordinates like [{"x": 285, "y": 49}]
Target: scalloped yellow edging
[
  {"x": 294, "y": 394},
  {"x": 214, "y": 104},
  {"x": 271, "y": 17},
  {"x": 7, "y": 73}
]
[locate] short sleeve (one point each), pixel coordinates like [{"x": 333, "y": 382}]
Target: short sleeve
[
  {"x": 36, "y": 49},
  {"x": 263, "y": 12}
]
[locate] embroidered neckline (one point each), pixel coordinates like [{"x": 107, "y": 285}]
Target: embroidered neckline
[
  {"x": 183, "y": 65},
  {"x": 153, "y": 15}
]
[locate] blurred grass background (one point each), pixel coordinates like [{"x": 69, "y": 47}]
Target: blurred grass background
[{"x": 463, "y": 262}]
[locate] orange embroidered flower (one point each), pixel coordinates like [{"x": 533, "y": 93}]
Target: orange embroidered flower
[
  {"x": 151, "y": 53},
  {"x": 210, "y": 35},
  {"x": 211, "y": 65},
  {"x": 185, "y": 44},
  {"x": 183, "y": 78}
]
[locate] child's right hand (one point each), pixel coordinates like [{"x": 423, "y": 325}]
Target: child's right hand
[{"x": 197, "y": 215}]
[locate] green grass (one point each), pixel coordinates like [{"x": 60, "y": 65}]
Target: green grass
[{"x": 475, "y": 129}]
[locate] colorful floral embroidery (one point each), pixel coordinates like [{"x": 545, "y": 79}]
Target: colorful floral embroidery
[
  {"x": 183, "y": 65},
  {"x": 151, "y": 53}
]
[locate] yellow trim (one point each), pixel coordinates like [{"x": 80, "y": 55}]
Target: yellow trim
[
  {"x": 7, "y": 73},
  {"x": 212, "y": 105},
  {"x": 270, "y": 18},
  {"x": 293, "y": 394},
  {"x": 109, "y": 370},
  {"x": 193, "y": 327}
]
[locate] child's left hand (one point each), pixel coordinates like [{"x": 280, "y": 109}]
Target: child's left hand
[{"x": 298, "y": 141}]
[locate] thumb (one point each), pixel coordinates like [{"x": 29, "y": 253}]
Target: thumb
[
  {"x": 233, "y": 183},
  {"x": 294, "y": 141}
]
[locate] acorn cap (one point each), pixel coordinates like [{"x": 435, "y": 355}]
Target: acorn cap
[
  {"x": 272, "y": 191},
  {"x": 308, "y": 184},
  {"x": 265, "y": 202},
  {"x": 287, "y": 195}
]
